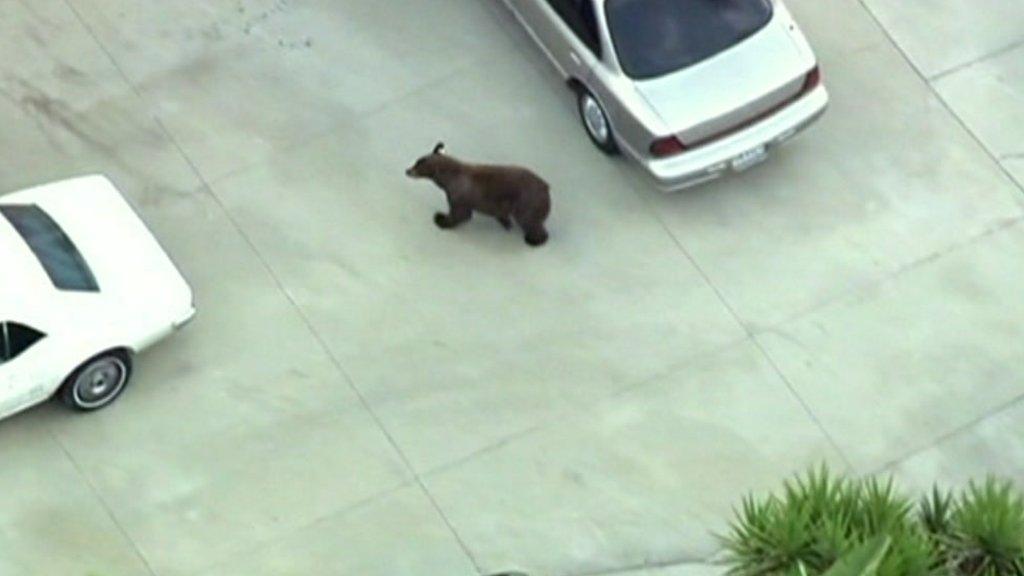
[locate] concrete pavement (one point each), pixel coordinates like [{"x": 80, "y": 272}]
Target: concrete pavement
[{"x": 364, "y": 394}]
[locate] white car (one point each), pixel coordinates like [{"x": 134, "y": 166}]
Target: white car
[{"x": 84, "y": 286}]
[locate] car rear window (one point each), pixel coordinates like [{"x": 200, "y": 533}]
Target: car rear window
[
  {"x": 55, "y": 251},
  {"x": 655, "y": 37}
]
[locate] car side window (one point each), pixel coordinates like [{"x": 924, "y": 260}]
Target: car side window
[
  {"x": 588, "y": 17},
  {"x": 581, "y": 17},
  {"x": 15, "y": 338}
]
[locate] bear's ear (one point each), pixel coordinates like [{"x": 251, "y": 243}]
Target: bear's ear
[{"x": 439, "y": 148}]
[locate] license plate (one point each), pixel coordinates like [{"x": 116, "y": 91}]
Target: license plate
[{"x": 749, "y": 158}]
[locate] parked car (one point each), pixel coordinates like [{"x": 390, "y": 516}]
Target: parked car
[
  {"x": 84, "y": 287},
  {"x": 691, "y": 89}
]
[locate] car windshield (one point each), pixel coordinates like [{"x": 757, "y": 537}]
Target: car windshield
[
  {"x": 55, "y": 251},
  {"x": 655, "y": 37}
]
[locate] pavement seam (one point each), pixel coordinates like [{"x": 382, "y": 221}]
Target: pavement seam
[
  {"x": 335, "y": 515},
  {"x": 583, "y": 408},
  {"x": 369, "y": 113},
  {"x": 363, "y": 117},
  {"x": 950, "y": 435},
  {"x": 359, "y": 395},
  {"x": 298, "y": 142},
  {"x": 92, "y": 487},
  {"x": 103, "y": 503},
  {"x": 977, "y": 60},
  {"x": 1013, "y": 181},
  {"x": 750, "y": 334},
  {"x": 316, "y": 136},
  {"x": 803, "y": 403},
  {"x": 931, "y": 87},
  {"x": 103, "y": 47},
  {"x": 900, "y": 271}
]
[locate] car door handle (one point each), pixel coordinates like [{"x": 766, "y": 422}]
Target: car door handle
[{"x": 575, "y": 59}]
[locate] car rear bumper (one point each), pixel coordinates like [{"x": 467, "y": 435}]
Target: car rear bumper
[
  {"x": 151, "y": 331},
  {"x": 184, "y": 319},
  {"x": 716, "y": 159}
]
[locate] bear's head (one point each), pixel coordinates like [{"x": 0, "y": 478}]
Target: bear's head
[{"x": 430, "y": 165}]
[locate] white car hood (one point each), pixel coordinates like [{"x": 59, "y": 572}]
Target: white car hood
[
  {"x": 128, "y": 263},
  {"x": 755, "y": 70}
]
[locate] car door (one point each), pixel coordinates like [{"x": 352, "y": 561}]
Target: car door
[
  {"x": 567, "y": 31},
  {"x": 23, "y": 381},
  {"x": 10, "y": 381}
]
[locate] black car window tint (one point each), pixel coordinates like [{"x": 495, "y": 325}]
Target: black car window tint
[
  {"x": 4, "y": 352},
  {"x": 588, "y": 16},
  {"x": 19, "y": 338},
  {"x": 576, "y": 14},
  {"x": 656, "y": 37}
]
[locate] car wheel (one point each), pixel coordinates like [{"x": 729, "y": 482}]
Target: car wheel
[
  {"x": 595, "y": 122},
  {"x": 98, "y": 382}
]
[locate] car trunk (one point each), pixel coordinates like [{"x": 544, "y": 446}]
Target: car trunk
[{"x": 730, "y": 90}]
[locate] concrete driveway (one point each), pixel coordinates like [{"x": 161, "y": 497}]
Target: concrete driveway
[{"x": 364, "y": 394}]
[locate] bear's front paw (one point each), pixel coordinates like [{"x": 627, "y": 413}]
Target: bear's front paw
[{"x": 442, "y": 220}]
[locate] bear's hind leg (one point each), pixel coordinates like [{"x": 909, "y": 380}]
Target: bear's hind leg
[{"x": 535, "y": 235}]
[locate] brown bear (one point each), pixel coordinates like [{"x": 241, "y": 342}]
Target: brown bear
[{"x": 507, "y": 193}]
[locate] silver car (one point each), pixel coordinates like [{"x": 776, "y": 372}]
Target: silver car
[{"x": 691, "y": 89}]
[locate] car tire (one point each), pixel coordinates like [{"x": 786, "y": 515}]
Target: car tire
[
  {"x": 97, "y": 382},
  {"x": 595, "y": 121}
]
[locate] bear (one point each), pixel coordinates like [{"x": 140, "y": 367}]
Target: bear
[{"x": 506, "y": 193}]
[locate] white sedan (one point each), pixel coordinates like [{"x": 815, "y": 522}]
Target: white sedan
[{"x": 84, "y": 286}]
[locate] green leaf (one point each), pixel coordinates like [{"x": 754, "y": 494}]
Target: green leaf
[{"x": 862, "y": 560}]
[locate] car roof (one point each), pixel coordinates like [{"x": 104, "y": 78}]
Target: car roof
[{"x": 28, "y": 293}]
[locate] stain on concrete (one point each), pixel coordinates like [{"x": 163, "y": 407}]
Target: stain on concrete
[
  {"x": 210, "y": 33},
  {"x": 36, "y": 37},
  {"x": 70, "y": 74},
  {"x": 253, "y": 22},
  {"x": 112, "y": 131}
]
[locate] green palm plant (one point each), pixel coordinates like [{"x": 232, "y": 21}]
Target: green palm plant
[
  {"x": 985, "y": 533},
  {"x": 818, "y": 520},
  {"x": 793, "y": 533}
]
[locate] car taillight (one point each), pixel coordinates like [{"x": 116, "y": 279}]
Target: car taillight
[
  {"x": 668, "y": 146},
  {"x": 812, "y": 80}
]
